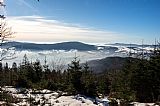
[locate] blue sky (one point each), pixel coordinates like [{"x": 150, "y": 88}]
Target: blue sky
[{"x": 104, "y": 21}]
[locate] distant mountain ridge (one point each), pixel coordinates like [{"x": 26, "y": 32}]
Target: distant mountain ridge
[
  {"x": 57, "y": 46},
  {"x": 111, "y": 48},
  {"x": 130, "y": 45}
]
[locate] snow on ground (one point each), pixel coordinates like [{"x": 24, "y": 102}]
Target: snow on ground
[
  {"x": 51, "y": 98},
  {"x": 46, "y": 97},
  {"x": 144, "y": 104},
  {"x": 71, "y": 101}
]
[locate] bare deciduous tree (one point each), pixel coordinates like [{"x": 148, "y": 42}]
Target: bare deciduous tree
[
  {"x": 6, "y": 51},
  {"x": 57, "y": 64},
  {"x": 5, "y": 32}
]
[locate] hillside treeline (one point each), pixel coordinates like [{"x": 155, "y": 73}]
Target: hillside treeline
[{"x": 138, "y": 80}]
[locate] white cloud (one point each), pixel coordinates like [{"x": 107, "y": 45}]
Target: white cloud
[{"x": 39, "y": 29}]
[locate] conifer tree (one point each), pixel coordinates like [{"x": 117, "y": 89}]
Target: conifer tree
[
  {"x": 38, "y": 70},
  {"x": 121, "y": 83},
  {"x": 154, "y": 78},
  {"x": 88, "y": 81},
  {"x": 74, "y": 70},
  {"x": 14, "y": 67}
]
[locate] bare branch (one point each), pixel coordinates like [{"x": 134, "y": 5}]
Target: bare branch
[{"x": 5, "y": 33}]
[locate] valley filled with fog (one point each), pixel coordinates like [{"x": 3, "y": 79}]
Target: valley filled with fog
[
  {"x": 58, "y": 57},
  {"x": 65, "y": 54}
]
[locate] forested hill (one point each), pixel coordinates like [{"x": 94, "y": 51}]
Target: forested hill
[
  {"x": 108, "y": 63},
  {"x": 57, "y": 46}
]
